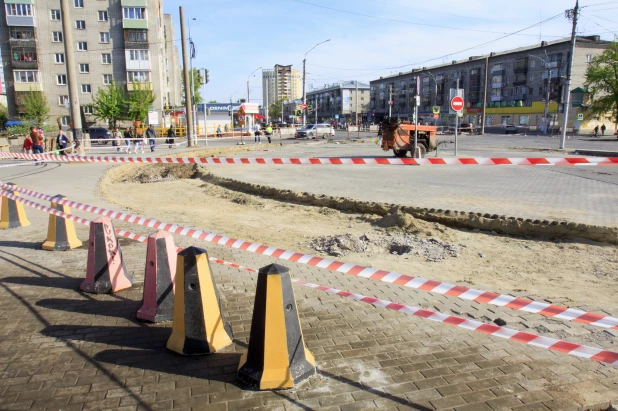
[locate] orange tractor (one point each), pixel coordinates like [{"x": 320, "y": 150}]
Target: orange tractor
[{"x": 399, "y": 136}]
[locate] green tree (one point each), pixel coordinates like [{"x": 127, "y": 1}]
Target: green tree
[
  {"x": 197, "y": 84},
  {"x": 139, "y": 101},
  {"x": 4, "y": 115},
  {"x": 602, "y": 83},
  {"x": 274, "y": 111},
  {"x": 110, "y": 104},
  {"x": 36, "y": 108},
  {"x": 212, "y": 102}
]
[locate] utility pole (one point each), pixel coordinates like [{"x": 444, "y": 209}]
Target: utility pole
[
  {"x": 304, "y": 95},
  {"x": 572, "y": 14},
  {"x": 188, "y": 93},
  {"x": 484, "y": 109},
  {"x": 266, "y": 105},
  {"x": 456, "y": 115},
  {"x": 76, "y": 118},
  {"x": 390, "y": 100}
]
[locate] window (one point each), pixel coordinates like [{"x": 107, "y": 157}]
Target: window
[
  {"x": 56, "y": 37},
  {"x": 531, "y": 91},
  {"x": 588, "y": 58},
  {"x": 106, "y": 58},
  {"x": 497, "y": 67},
  {"x": 79, "y": 4},
  {"x": 24, "y": 76},
  {"x": 61, "y": 79},
  {"x": 19, "y": 10},
  {"x": 104, "y": 37},
  {"x": 21, "y": 33},
  {"x": 84, "y": 68},
  {"x": 138, "y": 55},
  {"x": 136, "y": 35},
  {"x": 107, "y": 79},
  {"x": 55, "y": 15},
  {"x": 138, "y": 76},
  {"x": 88, "y": 109},
  {"x": 63, "y": 101},
  {"x": 532, "y": 63},
  {"x": 80, "y": 24},
  {"x": 82, "y": 46},
  {"x": 65, "y": 120},
  {"x": 59, "y": 58},
  {"x": 531, "y": 77},
  {"x": 86, "y": 88},
  {"x": 103, "y": 15},
  {"x": 134, "y": 13},
  {"x": 474, "y": 72}
]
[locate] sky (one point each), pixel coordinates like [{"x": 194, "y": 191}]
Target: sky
[{"x": 368, "y": 38}]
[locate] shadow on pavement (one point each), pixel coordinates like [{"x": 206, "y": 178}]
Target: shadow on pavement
[
  {"x": 21, "y": 244},
  {"x": 63, "y": 282},
  {"x": 122, "y": 309}
]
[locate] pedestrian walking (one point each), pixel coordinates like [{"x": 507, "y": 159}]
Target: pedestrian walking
[
  {"x": 62, "y": 141},
  {"x": 27, "y": 147},
  {"x": 219, "y": 134},
  {"x": 269, "y": 132},
  {"x": 171, "y": 134},
  {"x": 596, "y": 131},
  {"x": 128, "y": 137},
  {"x": 139, "y": 142},
  {"x": 38, "y": 142},
  {"x": 257, "y": 133},
  {"x": 117, "y": 139},
  {"x": 226, "y": 128},
  {"x": 603, "y": 128},
  {"x": 151, "y": 134}
]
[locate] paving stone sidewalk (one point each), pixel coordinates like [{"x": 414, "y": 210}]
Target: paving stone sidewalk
[{"x": 64, "y": 349}]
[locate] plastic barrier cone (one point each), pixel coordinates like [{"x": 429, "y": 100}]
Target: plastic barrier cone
[
  {"x": 61, "y": 234},
  {"x": 13, "y": 214},
  {"x": 106, "y": 272},
  {"x": 158, "y": 301},
  {"x": 277, "y": 356},
  {"x": 199, "y": 326}
]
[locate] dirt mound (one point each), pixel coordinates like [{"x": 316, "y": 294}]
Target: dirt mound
[
  {"x": 430, "y": 249},
  {"x": 153, "y": 173},
  {"x": 399, "y": 219}
]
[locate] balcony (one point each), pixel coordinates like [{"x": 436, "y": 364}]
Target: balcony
[
  {"x": 135, "y": 24},
  {"x": 497, "y": 85},
  {"x": 496, "y": 98},
  {"x": 25, "y": 64},
  {"x": 521, "y": 70},
  {"x": 136, "y": 39},
  {"x": 20, "y": 43},
  {"x": 24, "y": 21},
  {"x": 147, "y": 85},
  {"x": 24, "y": 58},
  {"x": 498, "y": 73},
  {"x": 519, "y": 82},
  {"x": 23, "y": 87}
]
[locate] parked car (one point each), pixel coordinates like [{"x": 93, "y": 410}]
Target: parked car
[
  {"x": 510, "y": 129},
  {"x": 315, "y": 131},
  {"x": 100, "y": 135}
]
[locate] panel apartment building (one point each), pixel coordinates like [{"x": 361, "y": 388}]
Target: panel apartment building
[
  {"x": 121, "y": 40},
  {"x": 518, "y": 82},
  {"x": 340, "y": 101},
  {"x": 281, "y": 82}
]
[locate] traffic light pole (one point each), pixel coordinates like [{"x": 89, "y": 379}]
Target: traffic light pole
[{"x": 188, "y": 94}]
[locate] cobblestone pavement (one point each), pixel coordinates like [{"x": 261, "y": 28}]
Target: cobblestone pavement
[
  {"x": 579, "y": 194},
  {"x": 64, "y": 349}
]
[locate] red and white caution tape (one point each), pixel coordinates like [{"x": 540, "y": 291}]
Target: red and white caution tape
[
  {"x": 28, "y": 163},
  {"x": 486, "y": 297},
  {"x": 548, "y": 343},
  {"x": 531, "y": 161}
]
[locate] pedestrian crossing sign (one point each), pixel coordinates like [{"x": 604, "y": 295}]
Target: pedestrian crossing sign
[
  {"x": 580, "y": 116},
  {"x": 435, "y": 109}
]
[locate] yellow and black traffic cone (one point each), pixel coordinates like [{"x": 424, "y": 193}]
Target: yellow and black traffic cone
[
  {"x": 277, "y": 357},
  {"x": 199, "y": 326},
  {"x": 61, "y": 234},
  {"x": 13, "y": 214}
]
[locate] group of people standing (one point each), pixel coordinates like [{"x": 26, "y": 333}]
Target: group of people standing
[
  {"x": 147, "y": 137},
  {"x": 257, "y": 133}
]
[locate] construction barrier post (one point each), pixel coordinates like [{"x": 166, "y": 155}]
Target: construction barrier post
[
  {"x": 277, "y": 356},
  {"x": 61, "y": 234},
  {"x": 199, "y": 326},
  {"x": 13, "y": 214},
  {"x": 159, "y": 276},
  {"x": 106, "y": 272}
]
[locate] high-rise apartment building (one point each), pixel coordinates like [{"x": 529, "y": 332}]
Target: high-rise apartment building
[
  {"x": 521, "y": 84},
  {"x": 123, "y": 41},
  {"x": 281, "y": 82}
]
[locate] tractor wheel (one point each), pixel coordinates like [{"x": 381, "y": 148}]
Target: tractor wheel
[{"x": 399, "y": 153}]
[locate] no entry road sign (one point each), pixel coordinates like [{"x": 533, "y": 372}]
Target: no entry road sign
[{"x": 457, "y": 103}]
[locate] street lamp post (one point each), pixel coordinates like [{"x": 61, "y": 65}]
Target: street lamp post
[
  {"x": 548, "y": 66},
  {"x": 248, "y": 88},
  {"x": 191, "y": 57},
  {"x": 435, "y": 94},
  {"x": 304, "y": 80}
]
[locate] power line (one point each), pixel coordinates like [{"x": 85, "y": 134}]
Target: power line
[
  {"x": 403, "y": 21},
  {"x": 378, "y": 70}
]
